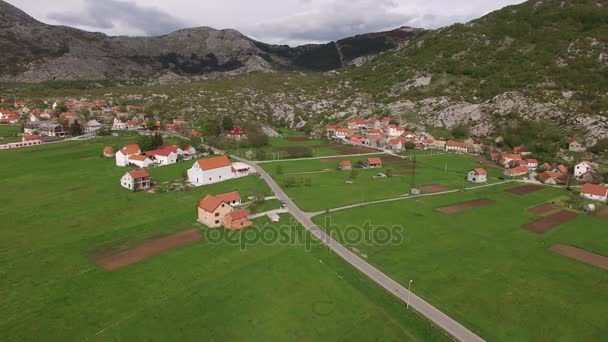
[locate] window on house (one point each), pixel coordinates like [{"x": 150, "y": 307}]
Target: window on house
[
  {"x": 217, "y": 214},
  {"x": 217, "y": 221}
]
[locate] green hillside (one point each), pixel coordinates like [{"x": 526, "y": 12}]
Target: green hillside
[{"x": 541, "y": 48}]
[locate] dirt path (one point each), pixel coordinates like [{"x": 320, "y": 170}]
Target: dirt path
[
  {"x": 148, "y": 249},
  {"x": 464, "y": 206}
]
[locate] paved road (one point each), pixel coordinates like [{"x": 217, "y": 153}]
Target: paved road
[
  {"x": 451, "y": 326},
  {"x": 401, "y": 198}
]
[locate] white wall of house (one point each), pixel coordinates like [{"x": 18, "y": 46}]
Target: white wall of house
[
  {"x": 167, "y": 160},
  {"x": 199, "y": 177},
  {"x": 581, "y": 168},
  {"x": 595, "y": 197},
  {"x": 127, "y": 181},
  {"x": 122, "y": 159},
  {"x": 145, "y": 163},
  {"x": 473, "y": 177}
]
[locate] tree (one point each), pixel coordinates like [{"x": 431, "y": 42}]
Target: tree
[
  {"x": 195, "y": 142},
  {"x": 151, "y": 124},
  {"x": 410, "y": 145},
  {"x": 75, "y": 129},
  {"x": 60, "y": 108},
  {"x": 214, "y": 128},
  {"x": 157, "y": 140},
  {"x": 104, "y": 131},
  {"x": 256, "y": 137},
  {"x": 354, "y": 173},
  {"x": 601, "y": 147},
  {"x": 227, "y": 123},
  {"x": 460, "y": 132},
  {"x": 85, "y": 113},
  {"x": 145, "y": 142}
]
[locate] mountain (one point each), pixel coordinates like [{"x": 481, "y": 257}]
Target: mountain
[{"x": 35, "y": 52}]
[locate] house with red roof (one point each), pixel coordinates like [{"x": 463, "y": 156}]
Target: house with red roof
[
  {"x": 456, "y": 146},
  {"x": 123, "y": 155},
  {"x": 395, "y": 131},
  {"x": 330, "y": 130},
  {"x": 551, "y": 178},
  {"x": 356, "y": 139},
  {"x": 344, "y": 133},
  {"x": 136, "y": 180},
  {"x": 532, "y": 163},
  {"x": 140, "y": 160},
  {"x": 236, "y": 220},
  {"x": 118, "y": 124},
  {"x": 164, "y": 155},
  {"x": 374, "y": 132},
  {"x": 373, "y": 163},
  {"x": 236, "y": 134},
  {"x": 562, "y": 169},
  {"x": 213, "y": 209},
  {"x": 477, "y": 175},
  {"x": 216, "y": 169},
  {"x": 346, "y": 165},
  {"x": 523, "y": 150},
  {"x": 517, "y": 171},
  {"x": 575, "y": 146},
  {"x": 581, "y": 168},
  {"x": 595, "y": 192}
]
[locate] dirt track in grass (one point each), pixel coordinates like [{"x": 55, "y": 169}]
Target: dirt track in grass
[
  {"x": 147, "y": 249},
  {"x": 581, "y": 255},
  {"x": 550, "y": 222},
  {"x": 460, "y": 207}
]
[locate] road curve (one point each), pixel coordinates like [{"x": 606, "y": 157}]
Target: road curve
[{"x": 442, "y": 320}]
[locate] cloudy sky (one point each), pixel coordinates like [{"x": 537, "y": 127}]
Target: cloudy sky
[{"x": 274, "y": 21}]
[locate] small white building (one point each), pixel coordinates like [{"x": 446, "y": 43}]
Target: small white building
[
  {"x": 477, "y": 176},
  {"x": 136, "y": 180},
  {"x": 118, "y": 124},
  {"x": 189, "y": 151},
  {"x": 165, "y": 157},
  {"x": 140, "y": 161},
  {"x": 582, "y": 168},
  {"x": 122, "y": 156},
  {"x": 92, "y": 126},
  {"x": 595, "y": 192},
  {"x": 395, "y": 131},
  {"x": 456, "y": 146}
]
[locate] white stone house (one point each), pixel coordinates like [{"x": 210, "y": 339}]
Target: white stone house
[
  {"x": 122, "y": 156},
  {"x": 477, "y": 176},
  {"x": 595, "y": 192},
  {"x": 210, "y": 170},
  {"x": 140, "y": 161},
  {"x": 165, "y": 157},
  {"x": 118, "y": 124},
  {"x": 582, "y": 168},
  {"x": 92, "y": 126},
  {"x": 136, "y": 180},
  {"x": 456, "y": 146}
]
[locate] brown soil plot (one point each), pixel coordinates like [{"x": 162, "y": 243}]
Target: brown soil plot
[
  {"x": 456, "y": 208},
  {"x": 524, "y": 189},
  {"x": 548, "y": 223},
  {"x": 603, "y": 213},
  {"x": 148, "y": 249},
  {"x": 432, "y": 188},
  {"x": 544, "y": 209},
  {"x": 298, "y": 139},
  {"x": 581, "y": 255}
]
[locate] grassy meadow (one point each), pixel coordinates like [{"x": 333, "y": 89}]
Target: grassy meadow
[
  {"x": 64, "y": 207},
  {"x": 320, "y": 185},
  {"x": 8, "y": 133},
  {"x": 485, "y": 270}
]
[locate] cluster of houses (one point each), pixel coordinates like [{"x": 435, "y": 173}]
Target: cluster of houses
[
  {"x": 131, "y": 155},
  {"x": 384, "y": 133}
]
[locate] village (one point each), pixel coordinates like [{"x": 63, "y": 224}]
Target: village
[{"x": 359, "y": 169}]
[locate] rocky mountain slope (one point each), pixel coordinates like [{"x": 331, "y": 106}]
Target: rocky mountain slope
[{"x": 33, "y": 52}]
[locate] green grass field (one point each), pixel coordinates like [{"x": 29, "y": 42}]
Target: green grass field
[
  {"x": 485, "y": 270},
  {"x": 277, "y": 147},
  {"x": 328, "y": 188},
  {"x": 63, "y": 204},
  {"x": 8, "y": 133}
]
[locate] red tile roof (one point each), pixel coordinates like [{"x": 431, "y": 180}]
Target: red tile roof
[
  {"x": 594, "y": 189},
  {"x": 459, "y": 144},
  {"x": 238, "y": 214},
  {"x": 209, "y": 203},
  {"x": 138, "y": 174},
  {"x": 513, "y": 156},
  {"x": 480, "y": 171},
  {"x": 563, "y": 169},
  {"x": 108, "y": 150},
  {"x": 519, "y": 170},
  {"x": 130, "y": 149},
  {"x": 138, "y": 157},
  {"x": 532, "y": 161},
  {"x": 346, "y": 163},
  {"x": 214, "y": 162},
  {"x": 374, "y": 161},
  {"x": 230, "y": 196}
]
